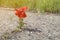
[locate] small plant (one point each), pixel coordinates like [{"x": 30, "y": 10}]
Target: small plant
[{"x": 20, "y": 13}]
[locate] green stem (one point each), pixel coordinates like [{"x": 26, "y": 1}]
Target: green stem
[{"x": 21, "y": 24}]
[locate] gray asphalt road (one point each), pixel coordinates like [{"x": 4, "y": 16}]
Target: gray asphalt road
[{"x": 38, "y": 27}]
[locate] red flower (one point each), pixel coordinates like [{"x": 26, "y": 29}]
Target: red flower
[{"x": 21, "y": 12}]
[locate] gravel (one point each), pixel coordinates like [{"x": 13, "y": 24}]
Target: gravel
[{"x": 38, "y": 27}]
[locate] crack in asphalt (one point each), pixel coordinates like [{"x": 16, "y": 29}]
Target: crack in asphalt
[{"x": 32, "y": 30}]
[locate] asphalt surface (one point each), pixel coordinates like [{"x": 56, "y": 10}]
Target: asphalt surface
[{"x": 37, "y": 27}]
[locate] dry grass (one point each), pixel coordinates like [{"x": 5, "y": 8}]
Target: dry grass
[{"x": 41, "y": 5}]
